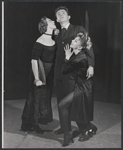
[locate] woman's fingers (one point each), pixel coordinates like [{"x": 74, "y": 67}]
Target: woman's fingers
[{"x": 66, "y": 48}]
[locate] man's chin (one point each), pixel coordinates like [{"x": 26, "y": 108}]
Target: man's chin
[{"x": 62, "y": 20}]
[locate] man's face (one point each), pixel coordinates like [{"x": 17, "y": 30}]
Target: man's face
[{"x": 62, "y": 16}]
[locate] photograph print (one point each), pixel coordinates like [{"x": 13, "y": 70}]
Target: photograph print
[{"x": 61, "y": 71}]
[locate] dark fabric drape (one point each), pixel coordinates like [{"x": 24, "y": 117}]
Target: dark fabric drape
[
  {"x": 86, "y": 22},
  {"x": 113, "y": 55}
]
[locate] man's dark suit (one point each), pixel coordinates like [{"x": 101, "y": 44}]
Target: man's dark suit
[{"x": 66, "y": 83}]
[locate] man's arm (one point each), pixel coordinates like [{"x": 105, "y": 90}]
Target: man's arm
[
  {"x": 90, "y": 52},
  {"x": 90, "y": 55}
]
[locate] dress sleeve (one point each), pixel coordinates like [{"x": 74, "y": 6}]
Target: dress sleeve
[
  {"x": 70, "y": 66},
  {"x": 37, "y": 51}
]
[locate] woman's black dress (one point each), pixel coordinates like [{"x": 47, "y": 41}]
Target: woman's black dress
[
  {"x": 38, "y": 107},
  {"x": 82, "y": 103}
]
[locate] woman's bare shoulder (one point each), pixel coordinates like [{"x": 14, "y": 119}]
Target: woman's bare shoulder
[{"x": 40, "y": 40}]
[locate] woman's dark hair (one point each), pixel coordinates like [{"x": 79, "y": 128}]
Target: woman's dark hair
[
  {"x": 42, "y": 26},
  {"x": 62, "y": 7},
  {"x": 83, "y": 38}
]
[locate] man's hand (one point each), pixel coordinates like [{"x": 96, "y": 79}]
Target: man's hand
[{"x": 90, "y": 72}]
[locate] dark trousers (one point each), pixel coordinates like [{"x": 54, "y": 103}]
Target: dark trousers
[
  {"x": 64, "y": 86},
  {"x": 65, "y": 113}
]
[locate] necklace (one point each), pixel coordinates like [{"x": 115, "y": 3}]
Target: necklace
[{"x": 48, "y": 34}]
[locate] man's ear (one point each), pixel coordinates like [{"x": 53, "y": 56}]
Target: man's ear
[
  {"x": 69, "y": 17},
  {"x": 57, "y": 20}
]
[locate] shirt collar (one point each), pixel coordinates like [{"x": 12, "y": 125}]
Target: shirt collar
[{"x": 66, "y": 27}]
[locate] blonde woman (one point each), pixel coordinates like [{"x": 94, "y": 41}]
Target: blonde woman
[{"x": 38, "y": 108}]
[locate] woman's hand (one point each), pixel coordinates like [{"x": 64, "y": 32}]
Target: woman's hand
[
  {"x": 68, "y": 52},
  {"x": 39, "y": 83}
]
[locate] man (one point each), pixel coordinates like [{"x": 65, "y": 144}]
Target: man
[{"x": 66, "y": 83}]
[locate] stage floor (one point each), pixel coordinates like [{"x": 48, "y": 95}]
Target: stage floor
[{"x": 107, "y": 117}]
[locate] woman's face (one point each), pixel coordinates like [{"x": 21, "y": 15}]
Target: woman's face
[
  {"x": 51, "y": 23},
  {"x": 62, "y": 16},
  {"x": 76, "y": 43}
]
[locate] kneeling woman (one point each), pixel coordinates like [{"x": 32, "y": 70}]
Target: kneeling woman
[{"x": 81, "y": 98}]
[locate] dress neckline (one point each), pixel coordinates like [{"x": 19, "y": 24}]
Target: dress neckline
[{"x": 46, "y": 45}]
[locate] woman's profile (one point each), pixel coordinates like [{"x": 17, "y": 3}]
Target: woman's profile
[
  {"x": 81, "y": 98},
  {"x": 38, "y": 108}
]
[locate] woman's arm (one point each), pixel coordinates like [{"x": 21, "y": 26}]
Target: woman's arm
[
  {"x": 35, "y": 70},
  {"x": 79, "y": 67},
  {"x": 69, "y": 67},
  {"x": 36, "y": 54}
]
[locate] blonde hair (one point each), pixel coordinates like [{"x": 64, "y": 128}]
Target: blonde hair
[
  {"x": 83, "y": 38},
  {"x": 42, "y": 26}
]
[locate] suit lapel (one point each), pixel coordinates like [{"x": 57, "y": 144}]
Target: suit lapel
[
  {"x": 68, "y": 32},
  {"x": 59, "y": 37}
]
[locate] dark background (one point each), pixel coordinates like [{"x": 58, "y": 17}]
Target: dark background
[{"x": 21, "y": 31}]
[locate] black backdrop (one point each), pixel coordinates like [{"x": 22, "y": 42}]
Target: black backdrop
[{"x": 20, "y": 33}]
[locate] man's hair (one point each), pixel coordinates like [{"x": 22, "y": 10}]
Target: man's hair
[
  {"x": 62, "y": 7},
  {"x": 42, "y": 26}
]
